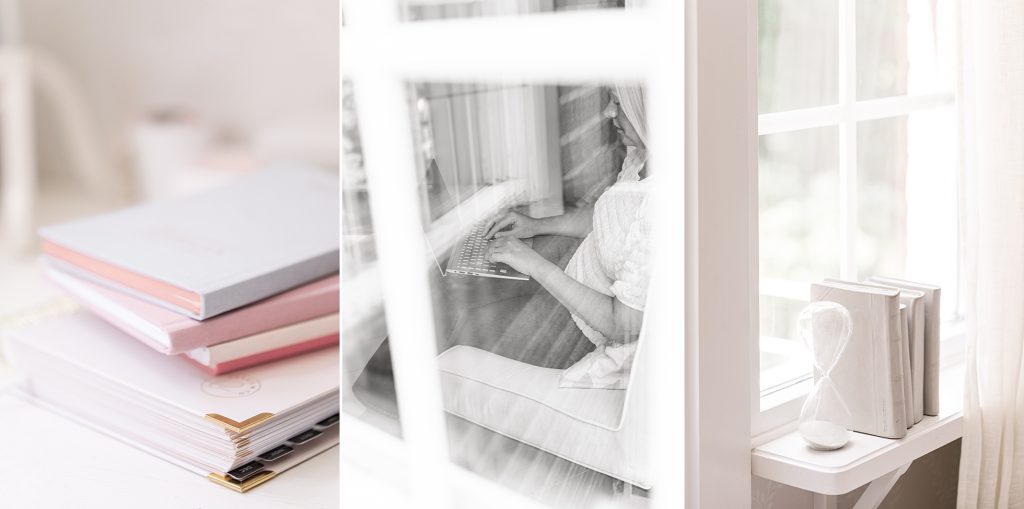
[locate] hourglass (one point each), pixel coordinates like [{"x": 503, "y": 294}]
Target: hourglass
[{"x": 825, "y": 328}]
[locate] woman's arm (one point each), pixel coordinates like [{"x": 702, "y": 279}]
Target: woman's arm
[
  {"x": 607, "y": 315},
  {"x": 576, "y": 222}
]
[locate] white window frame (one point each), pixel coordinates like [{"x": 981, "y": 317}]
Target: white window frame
[
  {"x": 775, "y": 412},
  {"x": 701, "y": 424}
]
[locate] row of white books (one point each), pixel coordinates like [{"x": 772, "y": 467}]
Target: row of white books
[{"x": 888, "y": 376}]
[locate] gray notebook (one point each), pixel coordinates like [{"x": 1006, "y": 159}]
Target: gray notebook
[{"x": 209, "y": 253}]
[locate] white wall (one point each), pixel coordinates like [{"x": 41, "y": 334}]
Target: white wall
[{"x": 246, "y": 65}]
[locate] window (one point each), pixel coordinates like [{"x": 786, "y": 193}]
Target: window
[
  {"x": 482, "y": 147},
  {"x": 857, "y": 158},
  {"x": 444, "y": 126}
]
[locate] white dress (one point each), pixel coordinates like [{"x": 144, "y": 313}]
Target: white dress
[{"x": 612, "y": 259}]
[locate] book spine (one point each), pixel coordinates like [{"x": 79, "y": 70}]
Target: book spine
[
  {"x": 917, "y": 357},
  {"x": 253, "y": 319},
  {"x": 931, "y": 353},
  {"x": 895, "y": 426},
  {"x": 261, "y": 285},
  {"x": 908, "y": 378}
]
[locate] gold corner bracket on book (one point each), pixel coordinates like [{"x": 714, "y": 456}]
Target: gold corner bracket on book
[
  {"x": 245, "y": 485},
  {"x": 239, "y": 427}
]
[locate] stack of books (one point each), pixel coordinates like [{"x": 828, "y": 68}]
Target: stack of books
[
  {"x": 888, "y": 376},
  {"x": 208, "y": 327}
]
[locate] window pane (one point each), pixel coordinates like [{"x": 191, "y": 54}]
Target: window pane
[
  {"x": 798, "y": 187},
  {"x": 907, "y": 214},
  {"x": 797, "y": 54},
  {"x": 470, "y": 139},
  {"x": 904, "y": 46},
  {"x": 882, "y": 197},
  {"x": 362, "y": 311},
  {"x": 569, "y": 159},
  {"x": 356, "y": 228},
  {"x": 782, "y": 353},
  {"x": 421, "y": 10}
]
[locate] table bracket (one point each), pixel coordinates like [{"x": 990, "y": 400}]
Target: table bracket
[{"x": 872, "y": 496}]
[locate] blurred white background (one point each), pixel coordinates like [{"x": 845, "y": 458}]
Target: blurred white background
[
  {"x": 168, "y": 96},
  {"x": 257, "y": 68}
]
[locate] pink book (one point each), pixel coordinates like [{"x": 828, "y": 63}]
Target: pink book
[
  {"x": 267, "y": 346},
  {"x": 172, "y": 333}
]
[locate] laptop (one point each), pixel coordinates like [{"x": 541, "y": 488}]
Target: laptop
[{"x": 469, "y": 258}]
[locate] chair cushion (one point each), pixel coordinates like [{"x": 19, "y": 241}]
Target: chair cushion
[{"x": 525, "y": 402}]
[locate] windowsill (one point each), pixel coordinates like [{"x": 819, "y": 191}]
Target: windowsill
[{"x": 788, "y": 460}]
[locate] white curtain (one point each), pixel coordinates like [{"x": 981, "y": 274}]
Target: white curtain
[{"x": 991, "y": 95}]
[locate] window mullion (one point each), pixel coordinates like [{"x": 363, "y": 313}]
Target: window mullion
[
  {"x": 832, "y": 115},
  {"x": 437, "y": 50},
  {"x": 795, "y": 120},
  {"x": 382, "y": 109},
  {"x": 848, "y": 139},
  {"x": 394, "y": 199},
  {"x": 889, "y": 107}
]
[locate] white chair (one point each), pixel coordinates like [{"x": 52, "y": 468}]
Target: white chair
[
  {"x": 22, "y": 69},
  {"x": 17, "y": 158},
  {"x": 601, "y": 429}
]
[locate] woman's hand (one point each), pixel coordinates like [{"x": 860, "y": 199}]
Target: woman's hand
[
  {"x": 516, "y": 254},
  {"x": 522, "y": 226}
]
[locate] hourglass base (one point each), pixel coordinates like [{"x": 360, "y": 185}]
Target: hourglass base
[{"x": 824, "y": 435}]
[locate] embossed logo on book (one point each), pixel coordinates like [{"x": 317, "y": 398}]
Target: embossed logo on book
[
  {"x": 231, "y": 386},
  {"x": 189, "y": 242}
]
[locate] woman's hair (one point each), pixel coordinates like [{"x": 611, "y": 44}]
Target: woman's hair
[{"x": 631, "y": 98}]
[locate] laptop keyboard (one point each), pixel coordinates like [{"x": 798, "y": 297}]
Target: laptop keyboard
[{"x": 473, "y": 256}]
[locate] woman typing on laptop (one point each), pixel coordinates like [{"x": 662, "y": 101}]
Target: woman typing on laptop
[
  {"x": 604, "y": 285},
  {"x": 581, "y": 308}
]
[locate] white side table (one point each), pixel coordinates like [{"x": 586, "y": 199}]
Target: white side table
[{"x": 878, "y": 462}]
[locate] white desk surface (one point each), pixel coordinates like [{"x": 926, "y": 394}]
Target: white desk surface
[{"x": 51, "y": 462}]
